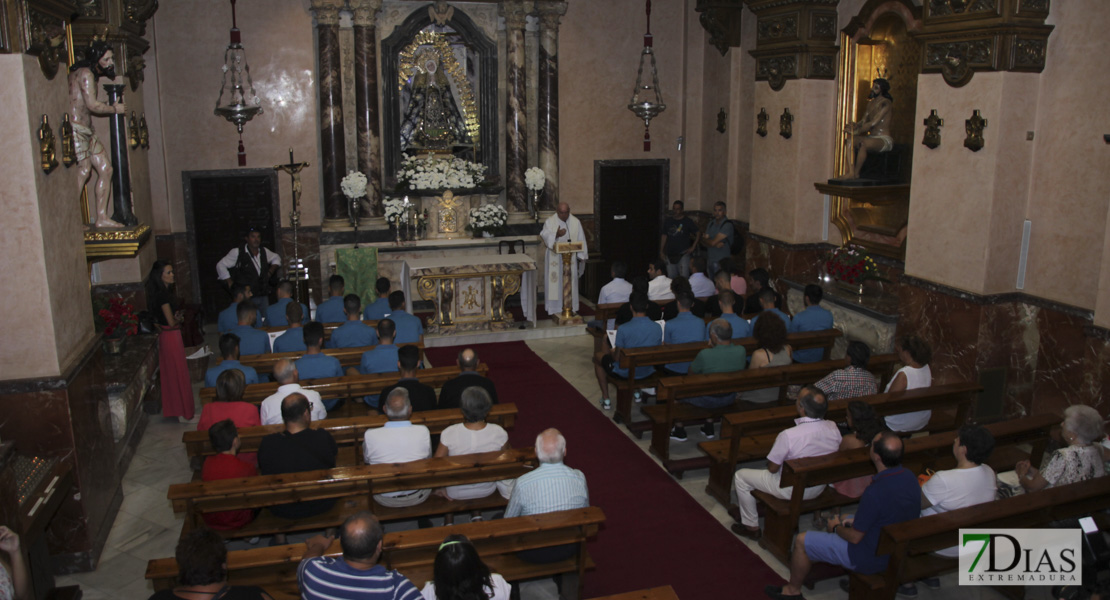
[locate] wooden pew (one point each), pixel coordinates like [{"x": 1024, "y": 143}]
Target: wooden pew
[
  {"x": 933, "y": 451},
  {"x": 910, "y": 544},
  {"x": 328, "y": 327},
  {"x": 348, "y": 433},
  {"x": 604, "y": 312},
  {"x": 348, "y": 386},
  {"x": 749, "y": 435},
  {"x": 665, "y": 592},
  {"x": 413, "y": 553},
  {"x": 348, "y": 357},
  {"x": 352, "y": 487},
  {"x": 669, "y": 409},
  {"x": 661, "y": 355}
]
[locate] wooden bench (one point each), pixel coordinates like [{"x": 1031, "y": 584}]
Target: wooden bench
[
  {"x": 348, "y": 386},
  {"x": 328, "y": 327},
  {"x": 413, "y": 553},
  {"x": 749, "y": 435},
  {"x": 652, "y": 356},
  {"x": 911, "y": 544},
  {"x": 670, "y": 410},
  {"x": 352, "y": 488},
  {"x": 665, "y": 592},
  {"x": 604, "y": 312},
  {"x": 348, "y": 357},
  {"x": 348, "y": 433},
  {"x": 933, "y": 451}
]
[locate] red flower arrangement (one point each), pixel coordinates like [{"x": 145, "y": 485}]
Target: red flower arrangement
[
  {"x": 119, "y": 319},
  {"x": 851, "y": 265}
]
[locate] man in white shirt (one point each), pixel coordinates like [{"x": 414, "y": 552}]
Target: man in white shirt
[
  {"x": 398, "y": 441},
  {"x": 285, "y": 372},
  {"x": 701, "y": 285},
  {"x": 561, "y": 227},
  {"x": 616, "y": 291},
  {"x": 250, "y": 265},
  {"x": 812, "y": 435},
  {"x": 659, "y": 285}
]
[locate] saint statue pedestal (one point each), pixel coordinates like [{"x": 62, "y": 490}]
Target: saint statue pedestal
[{"x": 567, "y": 316}]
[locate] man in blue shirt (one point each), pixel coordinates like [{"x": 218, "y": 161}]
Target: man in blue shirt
[
  {"x": 378, "y": 309},
  {"x": 894, "y": 496},
  {"x": 684, "y": 328},
  {"x": 228, "y": 319},
  {"x": 409, "y": 328},
  {"x": 275, "y": 313},
  {"x": 251, "y": 340},
  {"x": 353, "y": 333},
  {"x": 813, "y": 318},
  {"x": 767, "y": 298},
  {"x": 314, "y": 364},
  {"x": 381, "y": 358},
  {"x": 355, "y": 574},
  {"x": 331, "y": 310},
  {"x": 229, "y": 350},
  {"x": 717, "y": 238},
  {"x": 640, "y": 332},
  {"x": 293, "y": 338},
  {"x": 726, "y": 300}
]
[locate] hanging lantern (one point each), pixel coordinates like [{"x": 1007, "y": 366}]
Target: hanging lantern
[
  {"x": 242, "y": 103},
  {"x": 647, "y": 100}
]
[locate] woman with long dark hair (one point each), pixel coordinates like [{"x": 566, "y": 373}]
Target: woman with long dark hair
[
  {"x": 162, "y": 303},
  {"x": 460, "y": 574}
]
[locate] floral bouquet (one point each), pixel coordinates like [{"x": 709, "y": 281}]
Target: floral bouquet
[
  {"x": 424, "y": 173},
  {"x": 118, "y": 319},
  {"x": 535, "y": 179},
  {"x": 395, "y": 212},
  {"x": 422, "y": 219},
  {"x": 488, "y": 218},
  {"x": 353, "y": 185},
  {"x": 852, "y": 265}
]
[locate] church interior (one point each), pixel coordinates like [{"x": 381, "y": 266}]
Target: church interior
[{"x": 990, "y": 240}]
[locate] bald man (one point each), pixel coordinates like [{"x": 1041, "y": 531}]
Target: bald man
[
  {"x": 357, "y": 573},
  {"x": 551, "y": 487},
  {"x": 285, "y": 373},
  {"x": 561, "y": 227},
  {"x": 450, "y": 395}
]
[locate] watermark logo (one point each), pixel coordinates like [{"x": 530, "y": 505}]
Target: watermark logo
[{"x": 1020, "y": 557}]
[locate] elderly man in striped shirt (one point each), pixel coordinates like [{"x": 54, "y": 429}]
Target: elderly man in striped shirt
[
  {"x": 356, "y": 574},
  {"x": 551, "y": 487}
]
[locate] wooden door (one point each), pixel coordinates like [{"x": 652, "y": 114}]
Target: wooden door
[
  {"x": 220, "y": 206},
  {"x": 630, "y": 197}
]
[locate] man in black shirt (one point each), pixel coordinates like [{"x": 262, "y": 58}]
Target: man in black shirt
[
  {"x": 451, "y": 394},
  {"x": 298, "y": 448},
  {"x": 680, "y": 237},
  {"x": 421, "y": 396}
]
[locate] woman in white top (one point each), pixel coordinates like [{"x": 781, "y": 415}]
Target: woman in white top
[
  {"x": 460, "y": 574},
  {"x": 1079, "y": 461},
  {"x": 471, "y": 436},
  {"x": 915, "y": 353}
]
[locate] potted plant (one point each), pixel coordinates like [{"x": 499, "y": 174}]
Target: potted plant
[
  {"x": 487, "y": 220},
  {"x": 850, "y": 266},
  {"x": 117, "y": 320}
]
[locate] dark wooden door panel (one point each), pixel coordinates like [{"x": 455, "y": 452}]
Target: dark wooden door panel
[{"x": 630, "y": 197}]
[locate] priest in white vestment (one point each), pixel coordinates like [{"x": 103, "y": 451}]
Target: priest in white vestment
[{"x": 561, "y": 227}]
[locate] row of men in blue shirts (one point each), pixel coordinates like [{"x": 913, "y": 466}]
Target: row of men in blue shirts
[{"x": 331, "y": 310}]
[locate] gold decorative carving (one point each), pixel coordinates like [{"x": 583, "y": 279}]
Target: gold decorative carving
[
  {"x": 822, "y": 66},
  {"x": 722, "y": 20},
  {"x": 47, "y": 37},
  {"x": 93, "y": 9},
  {"x": 115, "y": 243},
  {"x": 761, "y": 122},
  {"x": 784, "y": 27},
  {"x": 409, "y": 66},
  {"x": 933, "y": 123},
  {"x": 1029, "y": 53},
  {"x": 974, "y": 127},
  {"x": 47, "y": 158},
  {"x": 448, "y": 213},
  {"x": 944, "y": 8},
  {"x": 1037, "y": 6},
  {"x": 144, "y": 133},
  {"x": 69, "y": 151},
  {"x": 138, "y": 11},
  {"x": 823, "y": 26},
  {"x": 777, "y": 70},
  {"x": 786, "y": 124},
  {"x": 132, "y": 132},
  {"x": 135, "y": 65}
]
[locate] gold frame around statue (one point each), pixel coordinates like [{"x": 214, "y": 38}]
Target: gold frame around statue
[{"x": 408, "y": 67}]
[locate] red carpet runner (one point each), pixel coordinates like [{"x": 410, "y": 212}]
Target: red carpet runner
[{"x": 655, "y": 533}]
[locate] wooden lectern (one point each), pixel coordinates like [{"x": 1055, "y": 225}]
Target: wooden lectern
[{"x": 568, "y": 250}]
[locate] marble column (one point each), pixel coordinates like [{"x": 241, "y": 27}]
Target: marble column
[
  {"x": 333, "y": 153},
  {"x": 516, "y": 124},
  {"x": 548, "y": 99},
  {"x": 368, "y": 138}
]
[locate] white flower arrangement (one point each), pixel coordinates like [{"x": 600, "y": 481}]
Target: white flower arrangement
[
  {"x": 487, "y": 218},
  {"x": 394, "y": 212},
  {"x": 353, "y": 185},
  {"x": 424, "y": 173},
  {"x": 535, "y": 179}
]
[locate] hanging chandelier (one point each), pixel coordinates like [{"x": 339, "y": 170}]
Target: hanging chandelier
[
  {"x": 242, "y": 103},
  {"x": 642, "y": 102}
]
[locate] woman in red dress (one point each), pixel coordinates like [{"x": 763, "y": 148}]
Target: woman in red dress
[{"x": 177, "y": 389}]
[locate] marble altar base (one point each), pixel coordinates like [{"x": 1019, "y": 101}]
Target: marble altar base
[{"x": 469, "y": 292}]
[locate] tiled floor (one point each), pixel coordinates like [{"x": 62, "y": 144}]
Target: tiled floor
[{"x": 147, "y": 528}]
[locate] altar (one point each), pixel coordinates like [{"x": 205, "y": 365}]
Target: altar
[{"x": 468, "y": 292}]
